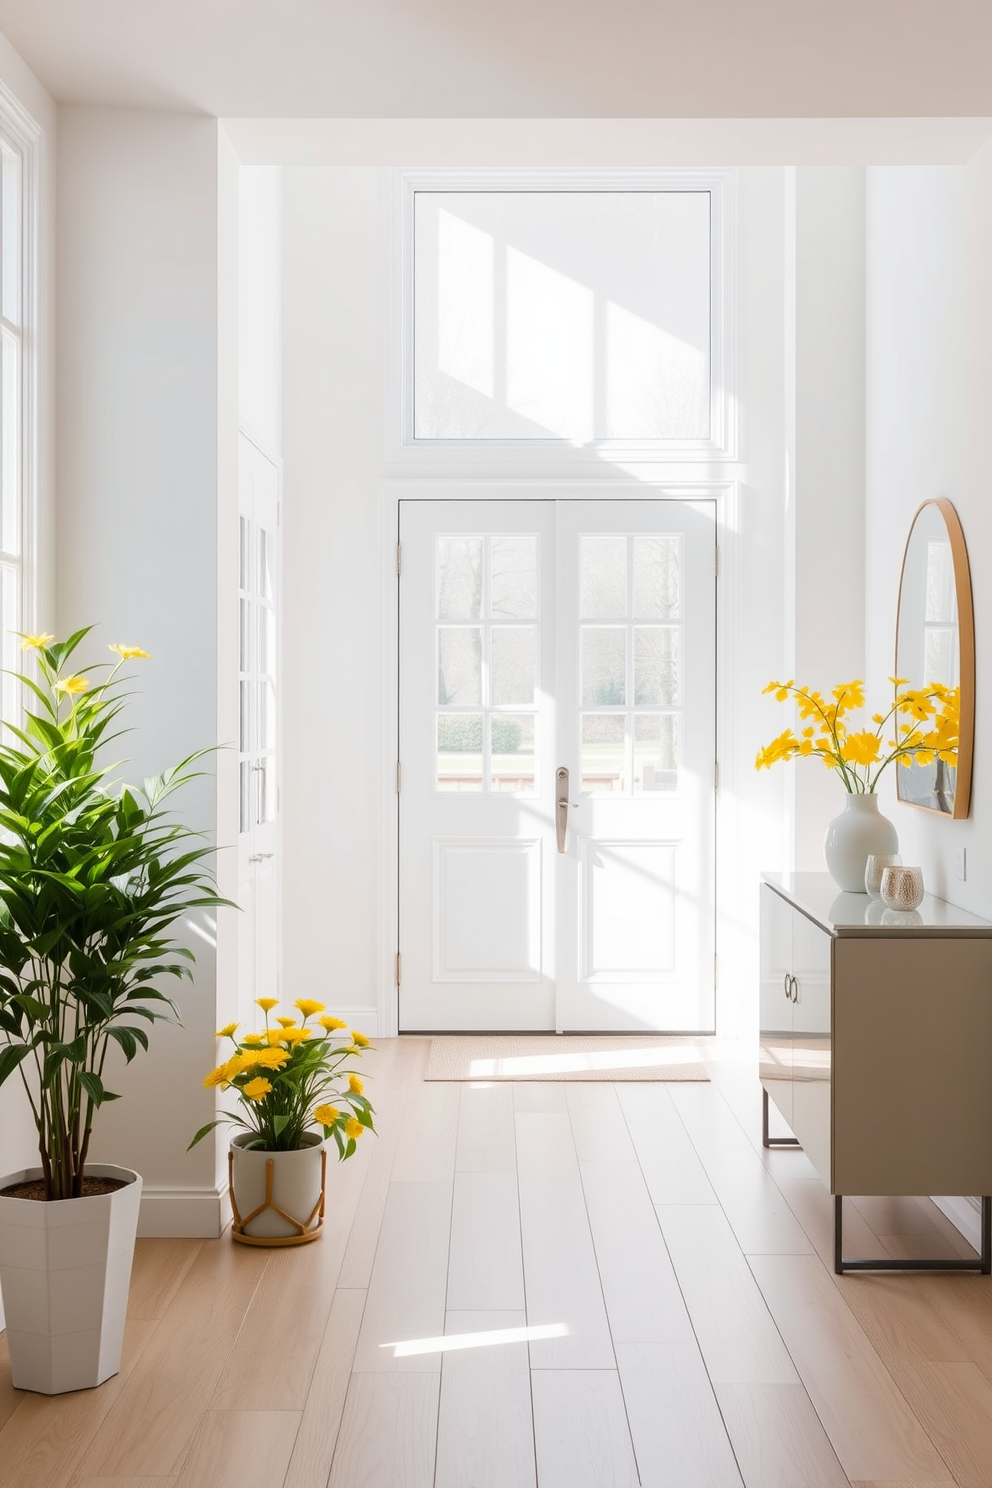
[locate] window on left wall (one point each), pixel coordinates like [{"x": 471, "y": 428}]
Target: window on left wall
[{"x": 16, "y": 400}]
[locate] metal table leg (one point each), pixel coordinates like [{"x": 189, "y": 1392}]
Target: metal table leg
[{"x": 982, "y": 1263}]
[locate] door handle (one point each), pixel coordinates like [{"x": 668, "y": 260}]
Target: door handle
[{"x": 561, "y": 806}]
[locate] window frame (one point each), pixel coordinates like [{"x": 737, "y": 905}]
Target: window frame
[{"x": 405, "y": 449}]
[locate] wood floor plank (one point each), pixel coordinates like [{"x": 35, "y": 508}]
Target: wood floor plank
[
  {"x": 425, "y": 1152},
  {"x": 485, "y": 1264},
  {"x": 671, "y": 1167},
  {"x": 152, "y": 1423},
  {"x": 871, "y": 1427},
  {"x": 580, "y": 1430},
  {"x": 406, "y": 1293},
  {"x": 144, "y": 1482},
  {"x": 598, "y": 1128},
  {"x": 902, "y": 1483},
  {"x": 313, "y": 1451},
  {"x": 388, "y": 1432},
  {"x": 896, "y": 1314},
  {"x": 808, "y": 1198},
  {"x": 678, "y": 1432},
  {"x": 45, "y": 1439},
  {"x": 539, "y": 1095},
  {"x": 10, "y": 1398},
  {"x": 739, "y": 1340},
  {"x": 157, "y": 1274},
  {"x": 486, "y": 1142},
  {"x": 643, "y": 1299},
  {"x": 485, "y": 1433},
  {"x": 777, "y": 1437},
  {"x": 240, "y": 1449},
  {"x": 965, "y": 1304},
  {"x": 954, "y": 1403},
  {"x": 560, "y": 1270},
  {"x": 752, "y": 1201}
]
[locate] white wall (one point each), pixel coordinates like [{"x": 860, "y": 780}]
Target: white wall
[
  {"x": 929, "y": 396},
  {"x": 139, "y": 364},
  {"x": 18, "y": 1139},
  {"x": 260, "y": 304}
]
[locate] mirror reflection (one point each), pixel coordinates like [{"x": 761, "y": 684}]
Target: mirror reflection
[{"x": 935, "y": 644}]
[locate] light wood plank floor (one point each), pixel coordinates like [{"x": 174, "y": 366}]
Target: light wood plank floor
[{"x": 637, "y": 1291}]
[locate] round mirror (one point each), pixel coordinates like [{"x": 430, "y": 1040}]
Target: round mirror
[{"x": 935, "y": 644}]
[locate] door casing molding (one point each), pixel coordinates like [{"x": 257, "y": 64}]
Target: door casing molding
[{"x": 727, "y": 497}]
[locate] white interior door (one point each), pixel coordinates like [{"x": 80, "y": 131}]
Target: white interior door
[
  {"x": 258, "y": 755},
  {"x": 536, "y": 638}
]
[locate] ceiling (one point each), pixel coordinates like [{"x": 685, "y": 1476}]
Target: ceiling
[{"x": 523, "y": 59}]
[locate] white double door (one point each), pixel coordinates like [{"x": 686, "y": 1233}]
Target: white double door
[{"x": 557, "y": 748}]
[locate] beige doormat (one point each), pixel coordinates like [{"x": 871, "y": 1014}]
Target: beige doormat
[{"x": 564, "y": 1057}]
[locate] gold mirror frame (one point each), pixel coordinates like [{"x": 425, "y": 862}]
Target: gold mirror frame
[{"x": 937, "y": 775}]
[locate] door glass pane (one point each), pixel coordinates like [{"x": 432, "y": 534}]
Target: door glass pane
[
  {"x": 459, "y": 665},
  {"x": 459, "y": 578},
  {"x": 602, "y": 578},
  {"x": 459, "y": 752},
  {"x": 244, "y": 658},
  {"x": 511, "y": 747},
  {"x": 656, "y": 751},
  {"x": 265, "y": 574},
  {"x": 512, "y": 664},
  {"x": 245, "y": 740},
  {"x": 513, "y": 578},
  {"x": 261, "y": 771},
  {"x": 603, "y": 666},
  {"x": 656, "y": 665},
  {"x": 656, "y": 578},
  {"x": 603, "y": 753}
]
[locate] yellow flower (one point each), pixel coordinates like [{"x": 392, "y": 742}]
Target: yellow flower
[
  {"x": 72, "y": 684},
  {"x": 275, "y": 1035},
  {"x": 296, "y": 1035},
  {"x": 257, "y": 1089},
  {"x": 308, "y": 1007},
  {"x": 240, "y": 1063},
  {"x": 253, "y": 1039},
  {"x": 272, "y": 1059},
  {"x": 878, "y": 718},
  {"x": 916, "y": 703},
  {"x": 266, "y": 1003},
  {"x": 128, "y": 653},
  {"x": 353, "y": 1128},
  {"x": 861, "y": 748},
  {"x": 326, "y": 1115},
  {"x": 899, "y": 681},
  {"x": 226, "y": 1031},
  {"x": 218, "y": 1077},
  {"x": 355, "y": 1085},
  {"x": 287, "y": 1022},
  {"x": 331, "y": 1023},
  {"x": 924, "y": 756},
  {"x": 359, "y": 1039},
  {"x": 36, "y": 642}
]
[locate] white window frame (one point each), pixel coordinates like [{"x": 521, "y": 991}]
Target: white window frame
[
  {"x": 20, "y": 132},
  {"x": 403, "y": 449}
]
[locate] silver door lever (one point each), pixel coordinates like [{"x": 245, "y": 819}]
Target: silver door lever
[{"x": 561, "y": 806}]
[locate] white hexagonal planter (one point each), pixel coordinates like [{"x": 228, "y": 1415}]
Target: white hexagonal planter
[{"x": 65, "y": 1270}]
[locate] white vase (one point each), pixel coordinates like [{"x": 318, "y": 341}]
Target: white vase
[
  {"x": 859, "y": 830},
  {"x": 65, "y": 1270},
  {"x": 277, "y": 1197}
]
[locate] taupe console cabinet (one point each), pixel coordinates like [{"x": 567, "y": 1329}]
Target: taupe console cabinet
[{"x": 876, "y": 1047}]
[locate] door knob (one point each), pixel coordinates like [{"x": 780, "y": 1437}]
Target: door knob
[{"x": 561, "y": 806}]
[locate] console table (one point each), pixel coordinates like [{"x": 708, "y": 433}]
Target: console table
[{"x": 876, "y": 1047}]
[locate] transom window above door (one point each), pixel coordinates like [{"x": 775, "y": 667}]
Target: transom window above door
[{"x": 575, "y": 313}]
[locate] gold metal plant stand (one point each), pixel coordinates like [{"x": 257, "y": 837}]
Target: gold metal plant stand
[{"x": 305, "y": 1232}]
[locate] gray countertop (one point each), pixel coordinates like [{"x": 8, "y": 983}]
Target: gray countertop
[{"x": 819, "y": 898}]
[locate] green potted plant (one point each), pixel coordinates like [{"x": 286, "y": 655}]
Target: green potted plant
[
  {"x": 288, "y": 1078},
  {"x": 94, "y": 875}
]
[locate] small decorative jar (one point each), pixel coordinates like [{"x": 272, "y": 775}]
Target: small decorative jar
[
  {"x": 902, "y": 888},
  {"x": 875, "y": 867}
]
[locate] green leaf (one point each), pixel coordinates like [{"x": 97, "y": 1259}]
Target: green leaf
[
  {"x": 10, "y": 1057},
  {"x": 93, "y": 1086}
]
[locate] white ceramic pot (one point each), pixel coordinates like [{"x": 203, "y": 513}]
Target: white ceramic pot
[
  {"x": 65, "y": 1270},
  {"x": 858, "y": 831},
  {"x": 277, "y": 1197}
]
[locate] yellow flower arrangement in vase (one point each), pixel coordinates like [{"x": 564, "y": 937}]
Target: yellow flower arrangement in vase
[{"x": 924, "y": 723}]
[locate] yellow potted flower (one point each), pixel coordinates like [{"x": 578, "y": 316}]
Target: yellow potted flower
[
  {"x": 289, "y": 1077},
  {"x": 924, "y": 723}
]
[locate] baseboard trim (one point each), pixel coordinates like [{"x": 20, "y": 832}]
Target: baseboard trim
[
  {"x": 183, "y": 1213},
  {"x": 365, "y": 1019},
  {"x": 965, "y": 1215}
]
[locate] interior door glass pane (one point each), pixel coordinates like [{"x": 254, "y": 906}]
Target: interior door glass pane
[
  {"x": 512, "y": 664},
  {"x": 244, "y": 742},
  {"x": 266, "y": 715},
  {"x": 459, "y": 578},
  {"x": 656, "y": 751},
  {"x": 459, "y": 752},
  {"x": 656, "y": 578},
  {"x": 511, "y": 746},
  {"x": 603, "y": 753},
  {"x": 603, "y": 666},
  {"x": 459, "y": 665},
  {"x": 656, "y": 665},
  {"x": 602, "y": 578},
  {"x": 244, "y": 658},
  {"x": 266, "y": 587},
  {"x": 513, "y": 578}
]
